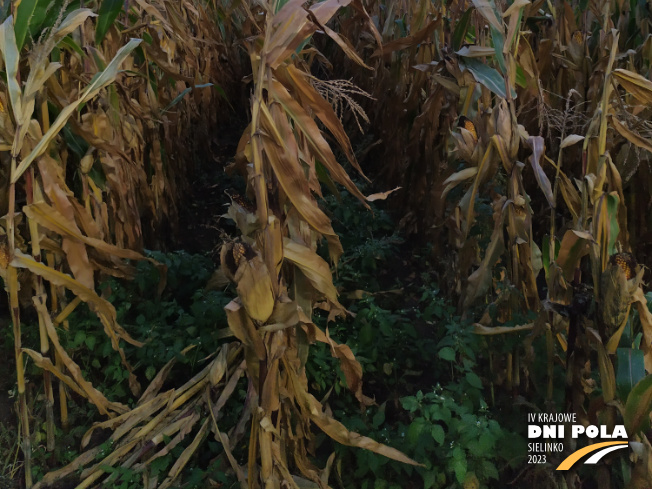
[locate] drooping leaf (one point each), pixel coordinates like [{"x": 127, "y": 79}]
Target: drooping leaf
[
  {"x": 381, "y": 195},
  {"x": 538, "y": 147},
  {"x": 480, "y": 280},
  {"x": 72, "y": 21},
  {"x": 406, "y": 42},
  {"x": 631, "y": 136},
  {"x": 570, "y": 140},
  {"x": 639, "y": 86},
  {"x": 284, "y": 159},
  {"x": 99, "y": 81},
  {"x": 336, "y": 430},
  {"x": 315, "y": 138},
  {"x": 574, "y": 245},
  {"x": 456, "y": 178},
  {"x": 313, "y": 267},
  {"x": 488, "y": 76},
  {"x": 475, "y": 51},
  {"x": 102, "y": 307},
  {"x": 487, "y": 9}
]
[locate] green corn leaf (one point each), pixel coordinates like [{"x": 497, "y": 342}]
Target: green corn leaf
[{"x": 107, "y": 14}]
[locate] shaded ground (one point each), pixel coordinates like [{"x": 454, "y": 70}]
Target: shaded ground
[{"x": 200, "y": 225}]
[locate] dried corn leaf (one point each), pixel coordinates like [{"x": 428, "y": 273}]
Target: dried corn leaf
[
  {"x": 336, "y": 430},
  {"x": 309, "y": 97},
  {"x": 184, "y": 458},
  {"x": 284, "y": 159},
  {"x": 102, "y": 307},
  {"x": 255, "y": 288},
  {"x": 538, "y": 147},
  {"x": 574, "y": 245},
  {"x": 479, "y": 281},
  {"x": 635, "y": 84},
  {"x": 631, "y": 136},
  {"x": 571, "y": 140},
  {"x": 46, "y": 364},
  {"x": 243, "y": 328},
  {"x": 96, "y": 397},
  {"x": 315, "y": 139},
  {"x": 101, "y": 80},
  {"x": 51, "y": 219},
  {"x": 313, "y": 267}
]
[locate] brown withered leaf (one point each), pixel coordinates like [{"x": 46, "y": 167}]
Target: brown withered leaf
[
  {"x": 479, "y": 281},
  {"x": 46, "y": 364},
  {"x": 102, "y": 307},
  {"x": 408, "y": 41},
  {"x": 571, "y": 140},
  {"x": 631, "y": 136},
  {"x": 351, "y": 368},
  {"x": 574, "y": 245},
  {"x": 381, "y": 195},
  {"x": 310, "y": 97},
  {"x": 254, "y": 287},
  {"x": 336, "y": 430},
  {"x": 316, "y": 270},
  {"x": 341, "y": 41},
  {"x": 284, "y": 159},
  {"x": 538, "y": 147},
  {"x": 243, "y": 328},
  {"x": 314, "y": 136},
  {"x": 635, "y": 84},
  {"x": 570, "y": 195},
  {"x": 96, "y": 397},
  {"x": 104, "y": 78}
]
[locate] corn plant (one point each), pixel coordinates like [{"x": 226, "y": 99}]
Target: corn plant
[
  {"x": 521, "y": 82},
  {"x": 279, "y": 278},
  {"x": 58, "y": 102}
]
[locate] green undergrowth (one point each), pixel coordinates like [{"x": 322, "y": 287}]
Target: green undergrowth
[
  {"x": 418, "y": 357},
  {"x": 420, "y": 365}
]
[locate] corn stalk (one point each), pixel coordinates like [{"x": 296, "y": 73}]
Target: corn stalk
[{"x": 279, "y": 278}]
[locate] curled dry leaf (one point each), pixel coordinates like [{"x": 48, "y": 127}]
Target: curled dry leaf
[
  {"x": 255, "y": 288},
  {"x": 381, "y": 195},
  {"x": 574, "y": 245},
  {"x": 571, "y": 140},
  {"x": 102, "y": 307},
  {"x": 538, "y": 147},
  {"x": 635, "y": 84},
  {"x": 631, "y": 136},
  {"x": 313, "y": 266},
  {"x": 336, "y": 430},
  {"x": 480, "y": 280}
]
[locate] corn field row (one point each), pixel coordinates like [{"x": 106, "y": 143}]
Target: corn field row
[{"x": 538, "y": 110}]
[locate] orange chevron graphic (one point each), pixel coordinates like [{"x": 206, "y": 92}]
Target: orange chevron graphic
[{"x": 575, "y": 456}]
